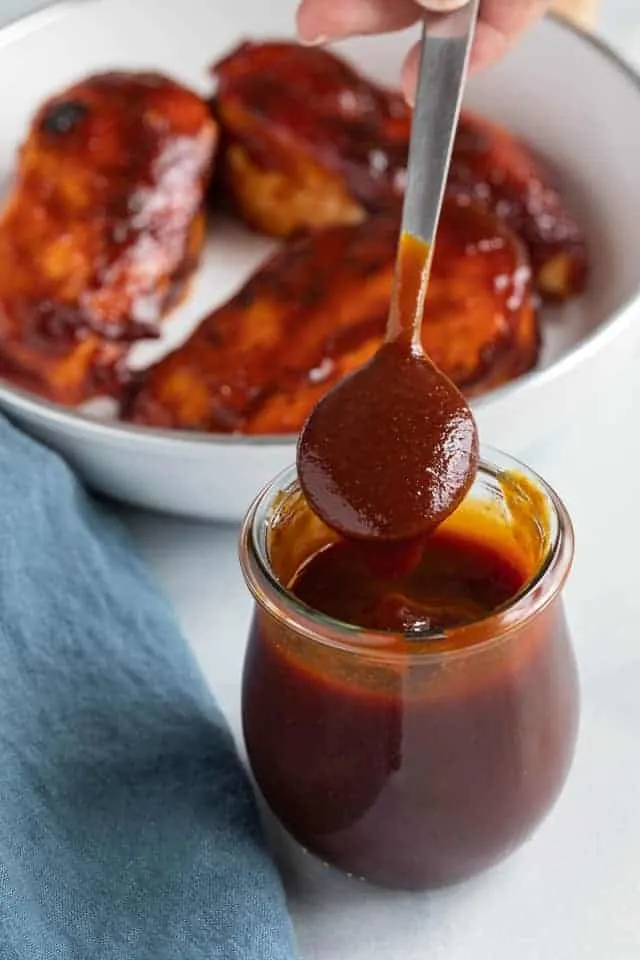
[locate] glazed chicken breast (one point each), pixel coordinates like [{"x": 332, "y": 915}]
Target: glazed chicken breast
[
  {"x": 101, "y": 230},
  {"x": 317, "y": 310},
  {"x": 505, "y": 174},
  {"x": 309, "y": 142}
]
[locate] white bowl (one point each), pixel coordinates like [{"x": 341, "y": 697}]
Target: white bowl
[{"x": 567, "y": 93}]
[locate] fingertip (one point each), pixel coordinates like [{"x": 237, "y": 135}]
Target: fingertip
[
  {"x": 409, "y": 75},
  {"x": 318, "y": 40},
  {"x": 441, "y": 6},
  {"x": 318, "y": 20},
  {"x": 489, "y": 46},
  {"x": 307, "y": 26}
]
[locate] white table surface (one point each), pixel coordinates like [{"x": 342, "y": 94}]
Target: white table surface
[{"x": 573, "y": 893}]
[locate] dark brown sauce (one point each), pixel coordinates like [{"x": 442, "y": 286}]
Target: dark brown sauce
[
  {"x": 392, "y": 450},
  {"x": 456, "y": 581},
  {"x": 413, "y": 771}
]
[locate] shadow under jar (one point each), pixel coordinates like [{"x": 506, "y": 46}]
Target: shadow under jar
[{"x": 413, "y": 760}]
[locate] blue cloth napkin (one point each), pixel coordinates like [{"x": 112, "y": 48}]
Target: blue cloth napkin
[{"x": 127, "y": 826}]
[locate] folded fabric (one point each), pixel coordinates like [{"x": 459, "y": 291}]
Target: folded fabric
[{"x": 127, "y": 825}]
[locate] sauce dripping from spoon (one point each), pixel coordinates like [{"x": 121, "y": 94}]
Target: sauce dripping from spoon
[{"x": 392, "y": 450}]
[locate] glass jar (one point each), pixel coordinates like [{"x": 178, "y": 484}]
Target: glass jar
[{"x": 412, "y": 764}]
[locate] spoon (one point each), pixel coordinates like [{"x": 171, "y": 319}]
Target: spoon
[{"x": 392, "y": 450}]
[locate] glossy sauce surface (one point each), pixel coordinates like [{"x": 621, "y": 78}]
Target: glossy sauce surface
[
  {"x": 312, "y": 143},
  {"x": 101, "y": 230},
  {"x": 392, "y": 450},
  {"x": 294, "y": 109},
  {"x": 321, "y": 306},
  {"x": 456, "y": 581}
]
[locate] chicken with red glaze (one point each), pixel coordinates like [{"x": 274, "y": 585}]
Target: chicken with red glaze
[
  {"x": 317, "y": 310},
  {"x": 310, "y": 142},
  {"x": 102, "y": 229}
]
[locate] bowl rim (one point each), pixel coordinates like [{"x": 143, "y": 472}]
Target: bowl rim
[{"x": 82, "y": 424}]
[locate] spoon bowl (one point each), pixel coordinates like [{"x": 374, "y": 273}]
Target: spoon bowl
[{"x": 391, "y": 451}]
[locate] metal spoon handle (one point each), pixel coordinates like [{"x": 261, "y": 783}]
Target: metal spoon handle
[{"x": 446, "y": 43}]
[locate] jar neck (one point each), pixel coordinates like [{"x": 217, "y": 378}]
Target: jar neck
[{"x": 276, "y": 507}]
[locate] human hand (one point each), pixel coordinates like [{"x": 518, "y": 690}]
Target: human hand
[{"x": 501, "y": 24}]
